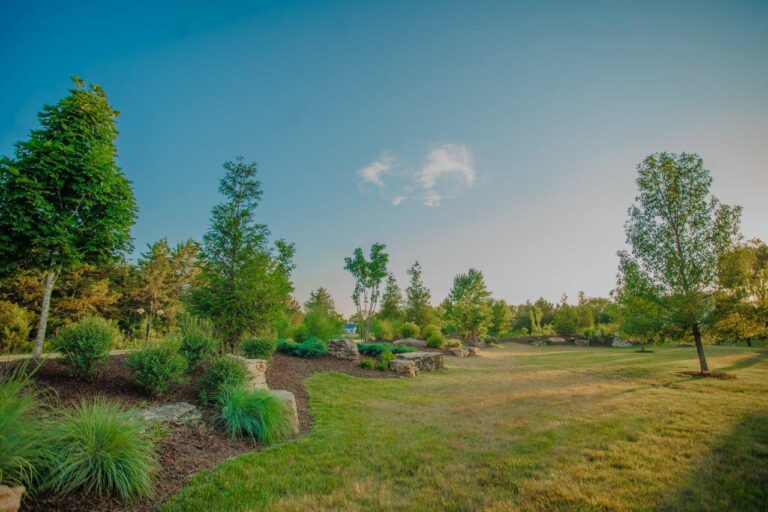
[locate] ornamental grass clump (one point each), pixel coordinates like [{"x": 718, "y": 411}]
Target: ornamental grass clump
[
  {"x": 84, "y": 346},
  {"x": 253, "y": 413},
  {"x": 97, "y": 448}
]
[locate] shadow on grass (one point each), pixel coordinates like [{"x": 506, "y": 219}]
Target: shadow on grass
[
  {"x": 733, "y": 476},
  {"x": 747, "y": 362}
]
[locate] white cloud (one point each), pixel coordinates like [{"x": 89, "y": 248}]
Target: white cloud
[
  {"x": 397, "y": 200},
  {"x": 372, "y": 173},
  {"x": 432, "y": 199},
  {"x": 447, "y": 162}
]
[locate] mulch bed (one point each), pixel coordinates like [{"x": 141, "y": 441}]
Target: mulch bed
[{"x": 185, "y": 450}]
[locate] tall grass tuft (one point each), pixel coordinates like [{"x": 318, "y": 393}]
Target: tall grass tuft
[
  {"x": 99, "y": 448},
  {"x": 254, "y": 413}
]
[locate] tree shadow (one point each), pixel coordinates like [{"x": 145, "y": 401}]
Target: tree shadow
[
  {"x": 746, "y": 362},
  {"x": 733, "y": 476}
]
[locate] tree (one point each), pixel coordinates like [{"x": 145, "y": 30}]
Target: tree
[
  {"x": 320, "y": 299},
  {"x": 244, "y": 282},
  {"x": 501, "y": 316},
  {"x": 64, "y": 201},
  {"x": 391, "y": 300},
  {"x": 368, "y": 274},
  {"x": 320, "y": 316},
  {"x": 641, "y": 304},
  {"x": 417, "y": 299},
  {"x": 468, "y": 306},
  {"x": 677, "y": 232},
  {"x": 566, "y": 322}
]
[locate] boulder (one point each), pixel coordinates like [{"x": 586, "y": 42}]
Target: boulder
[
  {"x": 424, "y": 361},
  {"x": 287, "y": 398},
  {"x": 343, "y": 349},
  {"x": 411, "y": 342},
  {"x": 258, "y": 370},
  {"x": 177, "y": 413},
  {"x": 404, "y": 368},
  {"x": 538, "y": 342},
  {"x": 581, "y": 343},
  {"x": 473, "y": 352},
  {"x": 10, "y": 498},
  {"x": 556, "y": 340},
  {"x": 620, "y": 343},
  {"x": 458, "y": 352}
]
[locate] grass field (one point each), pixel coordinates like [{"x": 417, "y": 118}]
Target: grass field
[{"x": 522, "y": 428}]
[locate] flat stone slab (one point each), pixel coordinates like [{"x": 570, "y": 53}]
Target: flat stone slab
[
  {"x": 404, "y": 368},
  {"x": 287, "y": 398},
  {"x": 343, "y": 349},
  {"x": 424, "y": 361},
  {"x": 177, "y": 413},
  {"x": 457, "y": 352},
  {"x": 411, "y": 342},
  {"x": 556, "y": 340}
]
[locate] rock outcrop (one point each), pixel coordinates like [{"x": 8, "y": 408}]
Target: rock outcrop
[
  {"x": 424, "y": 361},
  {"x": 287, "y": 398},
  {"x": 404, "y": 368},
  {"x": 177, "y": 413},
  {"x": 411, "y": 342},
  {"x": 343, "y": 349}
]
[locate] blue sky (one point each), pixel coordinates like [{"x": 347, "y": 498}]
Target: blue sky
[{"x": 507, "y": 132}]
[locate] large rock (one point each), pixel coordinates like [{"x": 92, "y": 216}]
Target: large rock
[
  {"x": 257, "y": 368},
  {"x": 620, "y": 343},
  {"x": 10, "y": 498},
  {"x": 424, "y": 361},
  {"x": 404, "y": 368},
  {"x": 343, "y": 349},
  {"x": 581, "y": 343},
  {"x": 411, "y": 342},
  {"x": 539, "y": 342},
  {"x": 473, "y": 352},
  {"x": 556, "y": 340},
  {"x": 287, "y": 398},
  {"x": 458, "y": 352},
  {"x": 177, "y": 413}
]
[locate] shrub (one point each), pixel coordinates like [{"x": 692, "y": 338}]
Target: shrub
[
  {"x": 23, "y": 437},
  {"x": 436, "y": 340},
  {"x": 409, "y": 330},
  {"x": 386, "y": 356},
  {"x": 98, "y": 448},
  {"x": 382, "y": 366},
  {"x": 225, "y": 370},
  {"x": 429, "y": 331},
  {"x": 197, "y": 341},
  {"x": 14, "y": 327},
  {"x": 366, "y": 363},
  {"x": 374, "y": 349},
  {"x": 85, "y": 345},
  {"x": 383, "y": 330},
  {"x": 452, "y": 342},
  {"x": 311, "y": 347},
  {"x": 158, "y": 367},
  {"x": 254, "y": 413},
  {"x": 259, "y": 348}
]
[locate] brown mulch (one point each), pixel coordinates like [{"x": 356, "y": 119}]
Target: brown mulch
[{"x": 185, "y": 450}]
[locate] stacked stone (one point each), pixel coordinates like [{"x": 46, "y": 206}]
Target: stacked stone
[
  {"x": 458, "y": 352},
  {"x": 343, "y": 349},
  {"x": 424, "y": 361}
]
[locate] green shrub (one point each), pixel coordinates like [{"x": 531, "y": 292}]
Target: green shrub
[
  {"x": 374, "y": 349},
  {"x": 259, "y": 348},
  {"x": 409, "y": 330},
  {"x": 158, "y": 367},
  {"x": 311, "y": 347},
  {"x": 436, "y": 340},
  {"x": 98, "y": 448},
  {"x": 24, "y": 437},
  {"x": 14, "y": 327},
  {"x": 254, "y": 413},
  {"x": 85, "y": 345},
  {"x": 429, "y": 331},
  {"x": 366, "y": 363},
  {"x": 197, "y": 342},
  {"x": 452, "y": 342},
  {"x": 383, "y": 330},
  {"x": 385, "y": 356},
  {"x": 382, "y": 366},
  {"x": 224, "y": 371}
]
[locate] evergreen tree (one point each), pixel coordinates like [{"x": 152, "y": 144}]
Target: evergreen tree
[
  {"x": 417, "y": 299},
  {"x": 391, "y": 300}
]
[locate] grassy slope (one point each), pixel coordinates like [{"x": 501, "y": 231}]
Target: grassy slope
[{"x": 522, "y": 428}]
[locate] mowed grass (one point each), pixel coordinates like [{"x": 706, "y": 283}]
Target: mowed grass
[{"x": 521, "y": 428}]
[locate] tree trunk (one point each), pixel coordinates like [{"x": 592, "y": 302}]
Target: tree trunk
[
  {"x": 700, "y": 349},
  {"x": 50, "y": 280}
]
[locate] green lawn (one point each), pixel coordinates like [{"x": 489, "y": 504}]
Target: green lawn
[{"x": 522, "y": 428}]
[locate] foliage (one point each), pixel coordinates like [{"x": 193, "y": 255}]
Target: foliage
[
  {"x": 452, "y": 342},
  {"x": 225, "y": 370},
  {"x": 309, "y": 348},
  {"x": 197, "y": 342},
  {"x": 85, "y": 345},
  {"x": 244, "y": 284},
  {"x": 678, "y": 232},
  {"x": 259, "y": 348},
  {"x": 321, "y": 324},
  {"x": 417, "y": 298},
  {"x": 409, "y": 330},
  {"x": 436, "y": 340},
  {"x": 468, "y": 306},
  {"x": 501, "y": 316},
  {"x": 368, "y": 274},
  {"x": 374, "y": 349},
  {"x": 429, "y": 330},
  {"x": 383, "y": 330},
  {"x": 391, "y": 300},
  {"x": 24, "y": 437},
  {"x": 158, "y": 367},
  {"x": 100, "y": 449},
  {"x": 566, "y": 320},
  {"x": 14, "y": 327},
  {"x": 367, "y": 364},
  {"x": 63, "y": 199},
  {"x": 253, "y": 413},
  {"x": 384, "y": 358}
]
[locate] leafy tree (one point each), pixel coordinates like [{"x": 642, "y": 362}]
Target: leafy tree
[
  {"x": 534, "y": 318},
  {"x": 566, "y": 321},
  {"x": 501, "y": 316},
  {"x": 368, "y": 274},
  {"x": 547, "y": 311},
  {"x": 391, "y": 300},
  {"x": 320, "y": 317},
  {"x": 64, "y": 201},
  {"x": 677, "y": 232},
  {"x": 417, "y": 299},
  {"x": 244, "y": 283},
  {"x": 468, "y": 306},
  {"x": 641, "y": 305}
]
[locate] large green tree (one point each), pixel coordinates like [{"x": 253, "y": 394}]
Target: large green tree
[
  {"x": 418, "y": 308},
  {"x": 368, "y": 273},
  {"x": 391, "y": 300},
  {"x": 677, "y": 231},
  {"x": 64, "y": 201},
  {"x": 468, "y": 306},
  {"x": 244, "y": 282}
]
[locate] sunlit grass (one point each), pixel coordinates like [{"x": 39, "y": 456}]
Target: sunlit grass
[{"x": 522, "y": 428}]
